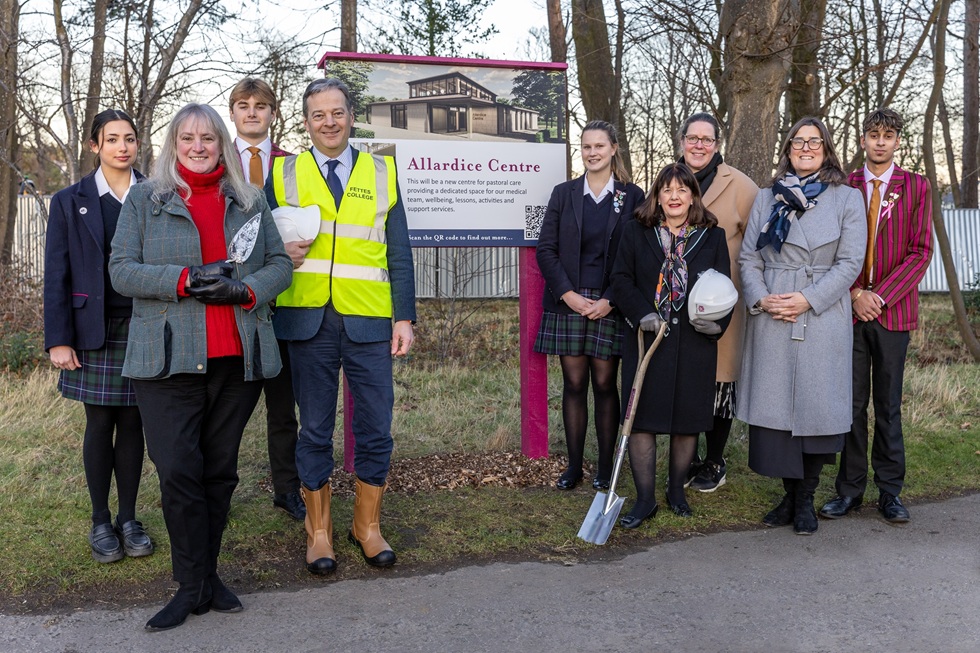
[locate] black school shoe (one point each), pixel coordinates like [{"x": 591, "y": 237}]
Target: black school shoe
[
  {"x": 105, "y": 544},
  {"x": 136, "y": 543},
  {"x": 892, "y": 509}
]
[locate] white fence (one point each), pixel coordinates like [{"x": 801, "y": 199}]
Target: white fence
[
  {"x": 493, "y": 271},
  {"x": 963, "y": 228}
]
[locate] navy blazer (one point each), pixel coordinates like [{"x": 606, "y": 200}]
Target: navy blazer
[
  {"x": 560, "y": 241},
  {"x": 293, "y": 323},
  {"x": 74, "y": 268}
]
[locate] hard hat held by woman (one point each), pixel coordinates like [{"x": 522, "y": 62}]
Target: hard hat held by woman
[{"x": 712, "y": 298}]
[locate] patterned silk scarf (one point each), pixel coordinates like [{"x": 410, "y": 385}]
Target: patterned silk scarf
[
  {"x": 672, "y": 284},
  {"x": 793, "y": 196}
]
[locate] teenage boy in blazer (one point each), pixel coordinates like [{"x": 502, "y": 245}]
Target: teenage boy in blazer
[
  {"x": 885, "y": 303},
  {"x": 253, "y": 106}
]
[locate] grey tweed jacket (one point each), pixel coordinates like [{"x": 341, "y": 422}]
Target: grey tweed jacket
[{"x": 155, "y": 240}]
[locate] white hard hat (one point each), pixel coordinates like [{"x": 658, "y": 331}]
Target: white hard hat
[{"x": 712, "y": 297}]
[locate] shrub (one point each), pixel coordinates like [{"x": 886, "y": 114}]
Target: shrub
[{"x": 22, "y": 319}]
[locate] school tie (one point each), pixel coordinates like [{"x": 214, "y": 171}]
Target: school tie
[
  {"x": 255, "y": 168},
  {"x": 333, "y": 182},
  {"x": 869, "y": 252}
]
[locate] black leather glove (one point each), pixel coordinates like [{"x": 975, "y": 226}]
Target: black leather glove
[
  {"x": 221, "y": 291},
  {"x": 202, "y": 275},
  {"x": 708, "y": 328},
  {"x": 651, "y": 322}
]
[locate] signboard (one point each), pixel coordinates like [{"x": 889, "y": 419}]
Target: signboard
[{"x": 479, "y": 144}]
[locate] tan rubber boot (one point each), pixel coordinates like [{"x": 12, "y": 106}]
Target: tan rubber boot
[
  {"x": 320, "y": 557},
  {"x": 366, "y": 531}
]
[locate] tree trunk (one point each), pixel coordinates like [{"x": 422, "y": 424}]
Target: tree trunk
[
  {"x": 942, "y": 238},
  {"x": 558, "y": 40},
  {"x": 556, "y": 32},
  {"x": 67, "y": 101},
  {"x": 971, "y": 104},
  {"x": 943, "y": 116},
  {"x": 9, "y": 177},
  {"x": 759, "y": 38},
  {"x": 598, "y": 85},
  {"x": 624, "y": 150},
  {"x": 803, "y": 93},
  {"x": 94, "y": 96},
  {"x": 348, "y": 26},
  {"x": 164, "y": 61}
]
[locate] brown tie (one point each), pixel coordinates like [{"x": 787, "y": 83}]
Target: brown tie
[
  {"x": 255, "y": 167},
  {"x": 869, "y": 252}
]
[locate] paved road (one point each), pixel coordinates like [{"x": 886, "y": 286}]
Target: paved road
[{"x": 859, "y": 584}]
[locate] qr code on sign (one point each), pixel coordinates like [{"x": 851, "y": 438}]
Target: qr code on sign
[{"x": 533, "y": 217}]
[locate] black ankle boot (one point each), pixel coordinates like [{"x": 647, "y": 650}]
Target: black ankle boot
[
  {"x": 222, "y": 598},
  {"x": 191, "y": 598},
  {"x": 783, "y": 513},
  {"x": 805, "y": 517}
]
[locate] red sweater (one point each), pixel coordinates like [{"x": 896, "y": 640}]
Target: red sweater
[{"x": 207, "y": 207}]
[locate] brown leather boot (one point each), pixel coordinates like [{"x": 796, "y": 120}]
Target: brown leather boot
[
  {"x": 366, "y": 531},
  {"x": 320, "y": 558}
]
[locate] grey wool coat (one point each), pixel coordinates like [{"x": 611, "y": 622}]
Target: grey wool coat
[
  {"x": 155, "y": 240},
  {"x": 796, "y": 377}
]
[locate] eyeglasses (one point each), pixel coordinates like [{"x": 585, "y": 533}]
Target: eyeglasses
[
  {"x": 813, "y": 143},
  {"x": 707, "y": 141}
]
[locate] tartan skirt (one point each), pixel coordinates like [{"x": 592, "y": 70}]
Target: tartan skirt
[
  {"x": 99, "y": 380},
  {"x": 574, "y": 335}
]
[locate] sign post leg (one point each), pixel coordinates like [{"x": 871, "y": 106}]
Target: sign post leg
[{"x": 534, "y": 366}]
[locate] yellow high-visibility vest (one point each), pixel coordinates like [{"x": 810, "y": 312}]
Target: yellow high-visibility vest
[{"x": 348, "y": 261}]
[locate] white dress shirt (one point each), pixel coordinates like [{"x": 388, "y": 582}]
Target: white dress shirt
[
  {"x": 869, "y": 178},
  {"x": 608, "y": 188},
  {"x": 265, "y": 152},
  {"x": 103, "y": 185},
  {"x": 345, "y": 168}
]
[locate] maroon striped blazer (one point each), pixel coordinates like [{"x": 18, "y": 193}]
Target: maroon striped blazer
[{"x": 903, "y": 246}]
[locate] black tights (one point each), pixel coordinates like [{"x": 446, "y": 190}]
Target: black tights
[
  {"x": 101, "y": 458},
  {"x": 577, "y": 372},
  {"x": 643, "y": 464},
  {"x": 716, "y": 439}
]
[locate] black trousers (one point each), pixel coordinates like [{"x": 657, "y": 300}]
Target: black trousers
[
  {"x": 281, "y": 426},
  {"x": 193, "y": 425},
  {"x": 878, "y": 370}
]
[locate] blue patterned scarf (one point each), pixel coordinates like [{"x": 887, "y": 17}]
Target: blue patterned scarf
[{"x": 793, "y": 197}]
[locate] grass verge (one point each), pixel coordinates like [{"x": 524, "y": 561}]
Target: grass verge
[{"x": 469, "y": 402}]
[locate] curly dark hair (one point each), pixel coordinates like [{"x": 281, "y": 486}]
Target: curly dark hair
[{"x": 650, "y": 213}]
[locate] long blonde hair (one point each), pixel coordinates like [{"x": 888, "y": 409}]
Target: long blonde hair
[
  {"x": 166, "y": 179},
  {"x": 618, "y": 167}
]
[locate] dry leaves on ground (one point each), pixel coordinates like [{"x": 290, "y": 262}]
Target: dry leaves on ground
[{"x": 450, "y": 471}]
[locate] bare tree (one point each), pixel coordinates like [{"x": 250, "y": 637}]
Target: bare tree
[
  {"x": 759, "y": 40},
  {"x": 557, "y": 36},
  {"x": 803, "y": 93},
  {"x": 598, "y": 84},
  {"x": 431, "y": 27},
  {"x": 348, "y": 25},
  {"x": 9, "y": 178},
  {"x": 96, "y": 64},
  {"x": 942, "y": 238},
  {"x": 971, "y": 104}
]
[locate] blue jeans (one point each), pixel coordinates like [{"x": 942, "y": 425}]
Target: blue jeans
[{"x": 316, "y": 365}]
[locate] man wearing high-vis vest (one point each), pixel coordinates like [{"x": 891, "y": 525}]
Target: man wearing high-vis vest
[{"x": 352, "y": 305}]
